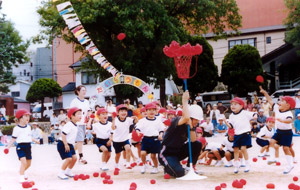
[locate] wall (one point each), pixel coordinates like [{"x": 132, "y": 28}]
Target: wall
[{"x": 43, "y": 63}]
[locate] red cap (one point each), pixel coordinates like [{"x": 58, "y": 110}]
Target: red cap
[
  {"x": 72, "y": 111},
  {"x": 270, "y": 119},
  {"x": 179, "y": 113},
  {"x": 290, "y": 101},
  {"x": 101, "y": 110},
  {"x": 21, "y": 112},
  {"x": 172, "y": 112},
  {"x": 156, "y": 103},
  {"x": 167, "y": 122},
  {"x": 230, "y": 132},
  {"x": 150, "y": 106},
  {"x": 162, "y": 110},
  {"x": 199, "y": 130},
  {"x": 121, "y": 106},
  {"x": 143, "y": 109},
  {"x": 239, "y": 101}
]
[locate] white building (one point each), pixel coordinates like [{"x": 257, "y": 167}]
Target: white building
[{"x": 19, "y": 89}]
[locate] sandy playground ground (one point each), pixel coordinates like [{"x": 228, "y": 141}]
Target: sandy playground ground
[{"x": 46, "y": 164}]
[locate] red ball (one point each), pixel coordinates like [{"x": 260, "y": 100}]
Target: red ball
[
  {"x": 217, "y": 188},
  {"x": 223, "y": 185},
  {"x": 243, "y": 181},
  {"x": 167, "y": 176},
  {"x": 183, "y": 162},
  {"x": 76, "y": 177},
  {"x": 296, "y": 187},
  {"x": 118, "y": 169},
  {"x": 87, "y": 176},
  {"x": 141, "y": 164},
  {"x": 254, "y": 159},
  {"x": 6, "y": 151},
  {"x": 81, "y": 176},
  {"x": 26, "y": 184},
  {"x": 116, "y": 172},
  {"x": 132, "y": 165},
  {"x": 110, "y": 181},
  {"x": 152, "y": 181},
  {"x": 270, "y": 186},
  {"x": 107, "y": 177},
  {"x": 133, "y": 184},
  {"x": 234, "y": 182},
  {"x": 132, "y": 188},
  {"x": 121, "y": 36},
  {"x": 260, "y": 79},
  {"x": 105, "y": 181},
  {"x": 277, "y": 163},
  {"x": 291, "y": 186},
  {"x": 264, "y": 158},
  {"x": 295, "y": 178},
  {"x": 239, "y": 185},
  {"x": 103, "y": 174},
  {"x": 96, "y": 174}
]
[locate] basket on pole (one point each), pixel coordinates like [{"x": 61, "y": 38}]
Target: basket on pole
[{"x": 183, "y": 57}]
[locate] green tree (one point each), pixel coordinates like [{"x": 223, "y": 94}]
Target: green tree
[
  {"x": 42, "y": 88},
  {"x": 240, "y": 68},
  {"x": 12, "y": 52},
  {"x": 149, "y": 25},
  {"x": 293, "y": 23}
]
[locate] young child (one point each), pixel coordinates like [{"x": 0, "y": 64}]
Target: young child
[
  {"x": 239, "y": 120},
  {"x": 121, "y": 125},
  {"x": 22, "y": 135},
  {"x": 221, "y": 127},
  {"x": 283, "y": 123},
  {"x": 65, "y": 145},
  {"x": 103, "y": 136},
  {"x": 264, "y": 136},
  {"x": 152, "y": 128},
  {"x": 255, "y": 129}
]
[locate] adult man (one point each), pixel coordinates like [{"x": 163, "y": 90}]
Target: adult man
[
  {"x": 111, "y": 108},
  {"x": 174, "y": 145},
  {"x": 223, "y": 109},
  {"x": 261, "y": 118},
  {"x": 199, "y": 99}
]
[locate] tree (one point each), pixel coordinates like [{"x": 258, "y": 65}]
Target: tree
[
  {"x": 42, "y": 88},
  {"x": 293, "y": 23},
  {"x": 240, "y": 68},
  {"x": 12, "y": 52},
  {"x": 149, "y": 25},
  {"x": 206, "y": 78}
]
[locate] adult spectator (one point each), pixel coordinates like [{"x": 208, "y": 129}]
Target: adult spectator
[
  {"x": 199, "y": 99},
  {"x": 266, "y": 107},
  {"x": 36, "y": 133},
  {"x": 297, "y": 124},
  {"x": 174, "y": 144},
  {"x": 249, "y": 105},
  {"x": 223, "y": 109},
  {"x": 208, "y": 109},
  {"x": 111, "y": 108},
  {"x": 2, "y": 119},
  {"x": 207, "y": 127},
  {"x": 261, "y": 118},
  {"x": 3, "y": 110},
  {"x": 297, "y": 107},
  {"x": 62, "y": 116},
  {"x": 214, "y": 115}
]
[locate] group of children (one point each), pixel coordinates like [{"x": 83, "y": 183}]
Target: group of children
[{"x": 149, "y": 131}]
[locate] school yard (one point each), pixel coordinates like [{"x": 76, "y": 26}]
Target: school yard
[{"x": 46, "y": 165}]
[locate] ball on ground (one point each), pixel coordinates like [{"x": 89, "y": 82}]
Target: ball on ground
[
  {"x": 96, "y": 174},
  {"x": 217, "y": 188},
  {"x": 243, "y": 181},
  {"x": 133, "y": 184},
  {"x": 223, "y": 185},
  {"x": 103, "y": 174},
  {"x": 295, "y": 178},
  {"x": 254, "y": 159},
  {"x": 167, "y": 176},
  {"x": 152, "y": 181},
  {"x": 270, "y": 186}
]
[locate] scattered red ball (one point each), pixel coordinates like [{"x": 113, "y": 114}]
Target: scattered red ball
[
  {"x": 260, "y": 79},
  {"x": 234, "y": 182},
  {"x": 6, "y": 151},
  {"x": 223, "y": 185},
  {"x": 96, "y": 174},
  {"x": 87, "y": 176},
  {"x": 132, "y": 164},
  {"x": 152, "y": 181},
  {"x": 133, "y": 185},
  {"x": 110, "y": 181},
  {"x": 291, "y": 186},
  {"x": 81, "y": 176},
  {"x": 254, "y": 159},
  {"x": 295, "y": 178},
  {"x": 34, "y": 189},
  {"x": 264, "y": 158},
  {"x": 26, "y": 184},
  {"x": 76, "y": 177},
  {"x": 243, "y": 181},
  {"x": 118, "y": 169},
  {"x": 270, "y": 186},
  {"x": 167, "y": 176},
  {"x": 296, "y": 187},
  {"x": 107, "y": 177},
  {"x": 116, "y": 172},
  {"x": 217, "y": 188},
  {"x": 141, "y": 164},
  {"x": 239, "y": 185},
  {"x": 277, "y": 163},
  {"x": 103, "y": 174},
  {"x": 105, "y": 181}
]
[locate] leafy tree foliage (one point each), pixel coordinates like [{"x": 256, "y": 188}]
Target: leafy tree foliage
[
  {"x": 42, "y": 88},
  {"x": 293, "y": 23},
  {"x": 240, "y": 68}
]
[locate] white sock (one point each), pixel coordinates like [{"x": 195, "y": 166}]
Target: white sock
[
  {"x": 230, "y": 162},
  {"x": 68, "y": 170},
  {"x": 247, "y": 162},
  {"x": 272, "y": 153},
  {"x": 63, "y": 171},
  {"x": 289, "y": 160},
  {"x": 236, "y": 163}
]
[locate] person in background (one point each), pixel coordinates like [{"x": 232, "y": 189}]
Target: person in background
[
  {"x": 199, "y": 99},
  {"x": 208, "y": 128},
  {"x": 254, "y": 130},
  {"x": 53, "y": 119},
  {"x": 62, "y": 116},
  {"x": 223, "y": 109},
  {"x": 214, "y": 115},
  {"x": 261, "y": 118},
  {"x": 297, "y": 124},
  {"x": 266, "y": 107},
  {"x": 137, "y": 112},
  {"x": 297, "y": 107},
  {"x": 2, "y": 119},
  {"x": 3, "y": 110},
  {"x": 249, "y": 105},
  {"x": 111, "y": 108},
  {"x": 208, "y": 109},
  {"x": 129, "y": 107},
  {"x": 221, "y": 126},
  {"x": 36, "y": 133}
]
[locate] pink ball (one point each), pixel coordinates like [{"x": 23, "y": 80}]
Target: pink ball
[
  {"x": 278, "y": 164},
  {"x": 116, "y": 172},
  {"x": 264, "y": 158},
  {"x": 152, "y": 181},
  {"x": 81, "y": 176},
  {"x": 291, "y": 186},
  {"x": 87, "y": 176},
  {"x": 270, "y": 186},
  {"x": 103, "y": 174},
  {"x": 76, "y": 177},
  {"x": 6, "y": 151},
  {"x": 105, "y": 181},
  {"x": 26, "y": 185}
]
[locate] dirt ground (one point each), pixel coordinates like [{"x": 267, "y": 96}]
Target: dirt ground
[{"x": 46, "y": 164}]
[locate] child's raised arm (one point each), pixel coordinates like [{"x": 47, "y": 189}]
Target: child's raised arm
[{"x": 268, "y": 97}]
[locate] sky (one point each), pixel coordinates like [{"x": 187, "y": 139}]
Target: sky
[{"x": 25, "y": 18}]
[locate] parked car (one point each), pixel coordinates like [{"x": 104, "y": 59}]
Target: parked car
[
  {"x": 48, "y": 111},
  {"x": 286, "y": 92}
]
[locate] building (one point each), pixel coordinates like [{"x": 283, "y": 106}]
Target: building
[
  {"x": 19, "y": 89},
  {"x": 43, "y": 67},
  {"x": 25, "y": 72}
]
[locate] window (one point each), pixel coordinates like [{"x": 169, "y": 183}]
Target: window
[
  {"x": 25, "y": 72},
  {"x": 269, "y": 40},
  {"x": 31, "y": 78},
  {"x": 28, "y": 74},
  {"x": 15, "y": 106},
  {"x": 88, "y": 78},
  {"x": 15, "y": 94},
  {"x": 250, "y": 41},
  {"x": 30, "y": 64}
]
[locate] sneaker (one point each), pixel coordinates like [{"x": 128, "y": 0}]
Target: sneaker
[
  {"x": 22, "y": 179},
  {"x": 219, "y": 163},
  {"x": 288, "y": 169},
  {"x": 82, "y": 161},
  {"x": 104, "y": 167},
  {"x": 154, "y": 171},
  {"x": 62, "y": 176},
  {"x": 247, "y": 168},
  {"x": 144, "y": 168},
  {"x": 236, "y": 170},
  {"x": 228, "y": 165},
  {"x": 261, "y": 155},
  {"x": 271, "y": 162},
  {"x": 69, "y": 173}
]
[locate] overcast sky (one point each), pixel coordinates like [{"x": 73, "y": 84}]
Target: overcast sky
[{"x": 23, "y": 14}]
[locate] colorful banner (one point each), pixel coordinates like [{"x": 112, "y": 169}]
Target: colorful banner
[{"x": 68, "y": 13}]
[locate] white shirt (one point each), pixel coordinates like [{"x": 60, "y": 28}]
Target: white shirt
[
  {"x": 217, "y": 112},
  {"x": 36, "y": 133},
  {"x": 22, "y": 134},
  {"x": 3, "y": 111},
  {"x": 102, "y": 130},
  {"x": 282, "y": 115},
  {"x": 227, "y": 144},
  {"x": 84, "y": 105},
  {"x": 265, "y": 132},
  {"x": 198, "y": 98},
  {"x": 150, "y": 127},
  {"x": 241, "y": 121},
  {"x": 121, "y": 133},
  {"x": 207, "y": 126},
  {"x": 111, "y": 109},
  {"x": 212, "y": 146},
  {"x": 297, "y": 103},
  {"x": 70, "y": 130}
]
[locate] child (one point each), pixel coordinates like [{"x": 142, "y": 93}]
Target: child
[
  {"x": 239, "y": 120},
  {"x": 65, "y": 145},
  {"x": 254, "y": 130},
  {"x": 152, "y": 128},
  {"x": 283, "y": 123},
  {"x": 22, "y": 135},
  {"x": 208, "y": 128},
  {"x": 221, "y": 127},
  {"x": 264, "y": 137},
  {"x": 103, "y": 136},
  {"x": 297, "y": 124},
  {"x": 121, "y": 125}
]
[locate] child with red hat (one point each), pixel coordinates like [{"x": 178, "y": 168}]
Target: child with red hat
[
  {"x": 66, "y": 142},
  {"x": 239, "y": 120},
  {"x": 152, "y": 128},
  {"x": 22, "y": 135},
  {"x": 283, "y": 123},
  {"x": 103, "y": 132},
  {"x": 264, "y": 136}
]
